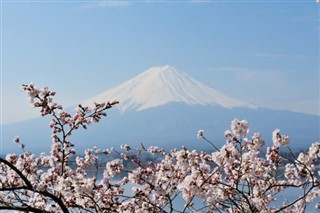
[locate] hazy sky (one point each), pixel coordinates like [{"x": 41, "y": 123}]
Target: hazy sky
[{"x": 263, "y": 52}]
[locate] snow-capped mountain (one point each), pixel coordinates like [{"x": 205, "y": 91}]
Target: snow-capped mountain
[
  {"x": 162, "y": 85},
  {"x": 165, "y": 107}
]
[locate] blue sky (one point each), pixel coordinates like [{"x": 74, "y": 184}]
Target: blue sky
[{"x": 264, "y": 52}]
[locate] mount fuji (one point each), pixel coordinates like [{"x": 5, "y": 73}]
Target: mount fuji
[
  {"x": 163, "y": 85},
  {"x": 165, "y": 107}
]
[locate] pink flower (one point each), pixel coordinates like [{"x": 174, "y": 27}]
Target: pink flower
[
  {"x": 239, "y": 128},
  {"x": 278, "y": 139}
]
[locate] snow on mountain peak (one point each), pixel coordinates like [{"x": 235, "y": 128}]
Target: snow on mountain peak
[{"x": 165, "y": 84}]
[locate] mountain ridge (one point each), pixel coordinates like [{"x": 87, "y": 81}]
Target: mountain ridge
[{"x": 169, "y": 126}]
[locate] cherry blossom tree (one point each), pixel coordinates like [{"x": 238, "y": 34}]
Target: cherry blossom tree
[{"x": 237, "y": 177}]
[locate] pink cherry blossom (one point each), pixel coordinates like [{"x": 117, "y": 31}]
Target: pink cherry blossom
[{"x": 236, "y": 177}]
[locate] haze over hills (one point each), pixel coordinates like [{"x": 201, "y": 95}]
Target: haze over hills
[{"x": 165, "y": 107}]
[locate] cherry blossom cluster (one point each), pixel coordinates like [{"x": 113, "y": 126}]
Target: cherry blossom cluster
[{"x": 236, "y": 177}]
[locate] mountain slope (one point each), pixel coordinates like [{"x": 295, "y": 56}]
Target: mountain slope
[{"x": 162, "y": 85}]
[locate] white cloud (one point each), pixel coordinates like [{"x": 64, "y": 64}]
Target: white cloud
[
  {"x": 238, "y": 74},
  {"x": 253, "y": 76},
  {"x": 311, "y": 19},
  {"x": 200, "y": 1},
  {"x": 106, "y": 4},
  {"x": 271, "y": 56},
  {"x": 306, "y": 106},
  {"x": 306, "y": 18},
  {"x": 271, "y": 88},
  {"x": 230, "y": 69},
  {"x": 283, "y": 56}
]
